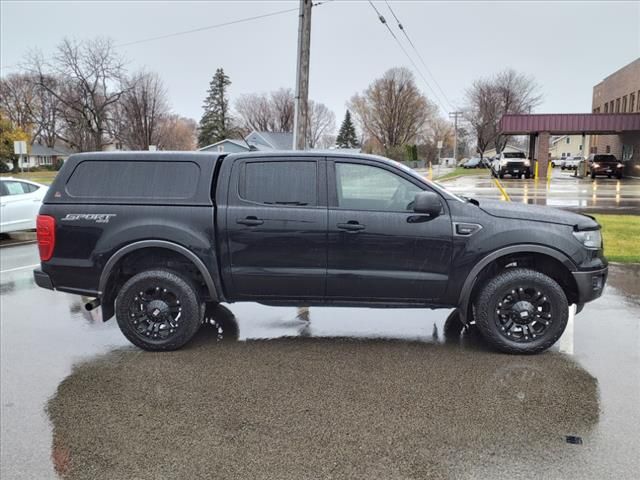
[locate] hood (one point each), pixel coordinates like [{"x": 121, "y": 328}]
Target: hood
[{"x": 537, "y": 213}]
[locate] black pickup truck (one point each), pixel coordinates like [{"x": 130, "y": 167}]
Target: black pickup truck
[{"x": 158, "y": 238}]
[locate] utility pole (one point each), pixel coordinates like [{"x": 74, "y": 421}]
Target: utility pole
[
  {"x": 301, "y": 107},
  {"x": 455, "y": 115}
]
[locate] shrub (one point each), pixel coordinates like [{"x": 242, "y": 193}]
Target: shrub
[{"x": 4, "y": 168}]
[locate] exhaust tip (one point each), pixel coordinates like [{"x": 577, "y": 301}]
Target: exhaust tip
[{"x": 92, "y": 305}]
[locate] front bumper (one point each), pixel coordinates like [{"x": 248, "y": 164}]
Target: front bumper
[
  {"x": 42, "y": 279},
  {"x": 515, "y": 170},
  {"x": 590, "y": 284},
  {"x": 606, "y": 170}
]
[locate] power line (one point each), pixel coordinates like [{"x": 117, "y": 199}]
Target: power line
[
  {"x": 209, "y": 27},
  {"x": 401, "y": 27},
  {"x": 384, "y": 22},
  {"x": 200, "y": 29}
]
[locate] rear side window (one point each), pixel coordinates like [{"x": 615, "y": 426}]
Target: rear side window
[
  {"x": 10, "y": 187},
  {"x": 120, "y": 180},
  {"x": 280, "y": 183}
]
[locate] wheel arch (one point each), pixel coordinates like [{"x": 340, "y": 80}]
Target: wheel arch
[
  {"x": 547, "y": 257},
  {"x": 111, "y": 266}
]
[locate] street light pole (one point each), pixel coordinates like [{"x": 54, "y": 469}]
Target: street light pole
[
  {"x": 301, "y": 106},
  {"x": 455, "y": 115}
]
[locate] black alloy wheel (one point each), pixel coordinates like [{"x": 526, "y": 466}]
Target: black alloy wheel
[
  {"x": 158, "y": 310},
  {"x": 523, "y": 314},
  {"x": 521, "y": 311}
]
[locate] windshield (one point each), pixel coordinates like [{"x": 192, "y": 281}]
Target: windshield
[
  {"x": 514, "y": 155},
  {"x": 605, "y": 158}
]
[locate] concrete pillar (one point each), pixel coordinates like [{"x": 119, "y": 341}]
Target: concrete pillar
[{"x": 543, "y": 153}]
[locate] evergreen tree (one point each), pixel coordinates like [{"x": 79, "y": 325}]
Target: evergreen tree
[
  {"x": 347, "y": 135},
  {"x": 216, "y": 122}
]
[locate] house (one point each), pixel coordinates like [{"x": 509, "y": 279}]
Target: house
[
  {"x": 41, "y": 155},
  {"x": 568, "y": 146},
  {"x": 256, "y": 140}
]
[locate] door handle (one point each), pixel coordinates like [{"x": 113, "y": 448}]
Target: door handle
[
  {"x": 250, "y": 221},
  {"x": 351, "y": 226}
]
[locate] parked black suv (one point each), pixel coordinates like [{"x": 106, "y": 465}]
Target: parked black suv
[{"x": 157, "y": 238}]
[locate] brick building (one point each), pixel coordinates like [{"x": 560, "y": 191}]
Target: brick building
[{"x": 619, "y": 93}]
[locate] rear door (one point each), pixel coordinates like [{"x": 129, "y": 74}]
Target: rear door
[
  {"x": 277, "y": 228},
  {"x": 19, "y": 205},
  {"x": 379, "y": 249}
]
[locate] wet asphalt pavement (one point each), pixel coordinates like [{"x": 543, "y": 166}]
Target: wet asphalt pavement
[
  {"x": 564, "y": 190},
  {"x": 352, "y": 393}
]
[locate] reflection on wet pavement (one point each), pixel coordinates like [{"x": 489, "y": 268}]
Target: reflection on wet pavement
[
  {"x": 300, "y": 408},
  {"x": 348, "y": 393},
  {"x": 563, "y": 191}
]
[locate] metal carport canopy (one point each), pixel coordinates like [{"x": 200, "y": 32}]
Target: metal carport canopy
[{"x": 570, "y": 123}]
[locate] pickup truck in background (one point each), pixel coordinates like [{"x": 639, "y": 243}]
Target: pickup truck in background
[
  {"x": 157, "y": 238},
  {"x": 515, "y": 164}
]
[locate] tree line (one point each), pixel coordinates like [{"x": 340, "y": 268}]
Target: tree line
[
  {"x": 264, "y": 112},
  {"x": 84, "y": 97}
]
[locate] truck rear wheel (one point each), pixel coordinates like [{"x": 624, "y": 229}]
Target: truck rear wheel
[
  {"x": 521, "y": 311},
  {"x": 158, "y": 310}
]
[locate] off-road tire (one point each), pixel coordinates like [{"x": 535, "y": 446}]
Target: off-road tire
[
  {"x": 179, "y": 288},
  {"x": 503, "y": 283}
]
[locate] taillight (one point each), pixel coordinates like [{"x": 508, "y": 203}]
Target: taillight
[{"x": 46, "y": 233}]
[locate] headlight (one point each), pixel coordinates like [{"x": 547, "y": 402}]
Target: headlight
[
  {"x": 527, "y": 163},
  {"x": 594, "y": 164},
  {"x": 589, "y": 238},
  {"x": 620, "y": 165}
]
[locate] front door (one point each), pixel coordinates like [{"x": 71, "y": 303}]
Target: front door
[
  {"x": 277, "y": 228},
  {"x": 379, "y": 249}
]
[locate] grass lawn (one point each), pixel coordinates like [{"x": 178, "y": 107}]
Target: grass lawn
[
  {"x": 459, "y": 171},
  {"x": 621, "y": 237},
  {"x": 43, "y": 177}
]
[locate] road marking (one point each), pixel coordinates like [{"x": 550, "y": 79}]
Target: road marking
[
  {"x": 502, "y": 190},
  {"x": 27, "y": 242},
  {"x": 20, "y": 268},
  {"x": 566, "y": 340}
]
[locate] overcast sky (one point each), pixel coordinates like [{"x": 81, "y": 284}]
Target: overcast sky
[{"x": 567, "y": 46}]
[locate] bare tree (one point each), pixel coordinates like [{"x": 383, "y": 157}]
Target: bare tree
[
  {"x": 282, "y": 105},
  {"x": 177, "y": 133},
  {"x": 392, "y": 110},
  {"x": 267, "y": 112},
  {"x": 89, "y": 76},
  {"x": 30, "y": 107},
  {"x": 321, "y": 121},
  {"x": 255, "y": 111},
  {"x": 508, "y": 92},
  {"x": 140, "y": 111}
]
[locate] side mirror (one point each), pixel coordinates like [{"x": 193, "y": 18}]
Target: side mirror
[{"x": 427, "y": 202}]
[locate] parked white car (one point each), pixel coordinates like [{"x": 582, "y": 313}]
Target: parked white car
[
  {"x": 570, "y": 163},
  {"x": 20, "y": 202}
]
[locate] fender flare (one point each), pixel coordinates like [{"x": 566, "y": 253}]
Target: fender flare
[
  {"x": 470, "y": 281},
  {"x": 192, "y": 257}
]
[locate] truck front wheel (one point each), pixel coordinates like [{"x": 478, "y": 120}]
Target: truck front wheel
[
  {"x": 158, "y": 310},
  {"x": 521, "y": 311}
]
